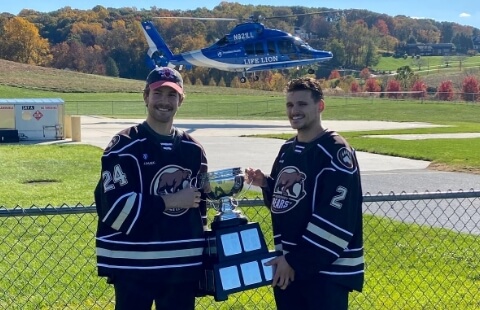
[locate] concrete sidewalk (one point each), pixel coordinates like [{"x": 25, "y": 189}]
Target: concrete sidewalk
[{"x": 226, "y": 148}]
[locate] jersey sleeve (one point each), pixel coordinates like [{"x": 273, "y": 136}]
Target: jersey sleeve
[
  {"x": 335, "y": 217},
  {"x": 203, "y": 203},
  {"x": 123, "y": 203}
]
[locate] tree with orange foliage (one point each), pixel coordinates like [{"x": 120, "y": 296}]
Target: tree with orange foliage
[
  {"x": 382, "y": 27},
  {"x": 420, "y": 86},
  {"x": 355, "y": 87},
  {"x": 334, "y": 74},
  {"x": 372, "y": 86},
  {"x": 21, "y": 42},
  {"x": 445, "y": 91},
  {"x": 470, "y": 89},
  {"x": 393, "y": 89}
]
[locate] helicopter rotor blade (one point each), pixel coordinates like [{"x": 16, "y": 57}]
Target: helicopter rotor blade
[
  {"x": 197, "y": 18},
  {"x": 303, "y": 14}
]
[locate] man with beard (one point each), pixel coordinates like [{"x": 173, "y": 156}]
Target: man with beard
[
  {"x": 314, "y": 194},
  {"x": 151, "y": 209}
]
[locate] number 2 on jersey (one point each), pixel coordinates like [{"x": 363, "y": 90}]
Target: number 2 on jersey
[{"x": 337, "y": 200}]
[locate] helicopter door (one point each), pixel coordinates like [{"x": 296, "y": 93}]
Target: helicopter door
[
  {"x": 287, "y": 48},
  {"x": 271, "y": 49},
  {"x": 259, "y": 50}
]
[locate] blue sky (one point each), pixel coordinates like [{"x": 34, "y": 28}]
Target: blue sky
[{"x": 464, "y": 12}]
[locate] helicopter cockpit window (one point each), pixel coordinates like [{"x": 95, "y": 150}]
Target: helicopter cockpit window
[
  {"x": 222, "y": 41},
  {"x": 286, "y": 47},
  {"x": 301, "y": 45}
]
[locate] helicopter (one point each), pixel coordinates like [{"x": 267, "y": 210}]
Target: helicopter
[{"x": 248, "y": 48}]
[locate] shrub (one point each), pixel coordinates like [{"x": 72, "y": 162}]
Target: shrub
[
  {"x": 372, "y": 85},
  {"x": 334, "y": 75},
  {"x": 445, "y": 91},
  {"x": 393, "y": 86},
  {"x": 419, "y": 85},
  {"x": 470, "y": 90},
  {"x": 354, "y": 87}
]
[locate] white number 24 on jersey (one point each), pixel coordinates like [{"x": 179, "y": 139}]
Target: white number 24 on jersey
[{"x": 110, "y": 179}]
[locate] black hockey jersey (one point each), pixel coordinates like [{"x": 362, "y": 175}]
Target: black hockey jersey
[
  {"x": 136, "y": 236},
  {"x": 315, "y": 197}
]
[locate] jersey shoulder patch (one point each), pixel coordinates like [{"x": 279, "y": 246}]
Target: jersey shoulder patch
[
  {"x": 343, "y": 156},
  {"x": 122, "y": 138}
]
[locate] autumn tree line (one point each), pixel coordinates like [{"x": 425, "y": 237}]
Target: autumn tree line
[
  {"x": 404, "y": 84},
  {"x": 110, "y": 41}
]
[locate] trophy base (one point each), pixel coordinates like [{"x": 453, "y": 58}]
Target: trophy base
[
  {"x": 228, "y": 223},
  {"x": 232, "y": 276}
]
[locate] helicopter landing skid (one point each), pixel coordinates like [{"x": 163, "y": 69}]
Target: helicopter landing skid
[{"x": 243, "y": 79}]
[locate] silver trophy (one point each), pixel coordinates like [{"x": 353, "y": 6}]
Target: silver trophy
[
  {"x": 223, "y": 187},
  {"x": 235, "y": 250}
]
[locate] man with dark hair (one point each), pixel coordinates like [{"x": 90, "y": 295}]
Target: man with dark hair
[
  {"x": 314, "y": 194},
  {"x": 151, "y": 215}
]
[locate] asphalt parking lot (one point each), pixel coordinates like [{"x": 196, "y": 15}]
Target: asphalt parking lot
[{"x": 226, "y": 147}]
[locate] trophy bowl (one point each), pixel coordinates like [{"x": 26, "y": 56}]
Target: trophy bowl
[
  {"x": 222, "y": 186},
  {"x": 225, "y": 183}
]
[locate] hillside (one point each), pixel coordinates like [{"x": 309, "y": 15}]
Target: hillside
[
  {"x": 40, "y": 78},
  {"x": 433, "y": 70},
  {"x": 63, "y": 81}
]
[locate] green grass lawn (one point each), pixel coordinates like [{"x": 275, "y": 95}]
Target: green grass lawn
[
  {"x": 437, "y": 63},
  {"x": 44, "y": 175}
]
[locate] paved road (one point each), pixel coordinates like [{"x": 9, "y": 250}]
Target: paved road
[{"x": 226, "y": 148}]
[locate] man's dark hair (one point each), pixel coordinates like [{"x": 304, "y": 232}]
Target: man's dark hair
[{"x": 306, "y": 84}]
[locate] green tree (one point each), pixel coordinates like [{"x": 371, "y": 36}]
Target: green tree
[
  {"x": 405, "y": 75},
  {"x": 338, "y": 49},
  {"x": 111, "y": 68}
]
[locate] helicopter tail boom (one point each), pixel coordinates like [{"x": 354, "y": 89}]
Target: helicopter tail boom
[{"x": 158, "y": 52}]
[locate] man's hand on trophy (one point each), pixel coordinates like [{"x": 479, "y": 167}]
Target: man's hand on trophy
[
  {"x": 284, "y": 274},
  {"x": 255, "y": 177},
  {"x": 189, "y": 197}
]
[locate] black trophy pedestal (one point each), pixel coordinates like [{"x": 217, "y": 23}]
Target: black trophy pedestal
[
  {"x": 234, "y": 258},
  {"x": 229, "y": 223}
]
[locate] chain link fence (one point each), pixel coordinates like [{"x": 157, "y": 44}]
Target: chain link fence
[{"x": 422, "y": 251}]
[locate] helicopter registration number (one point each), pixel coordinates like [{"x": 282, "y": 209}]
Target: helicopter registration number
[{"x": 243, "y": 36}]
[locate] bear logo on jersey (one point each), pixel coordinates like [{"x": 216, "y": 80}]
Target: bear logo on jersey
[
  {"x": 170, "y": 180},
  {"x": 345, "y": 158},
  {"x": 289, "y": 189}
]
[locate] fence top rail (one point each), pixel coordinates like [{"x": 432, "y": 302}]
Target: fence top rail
[
  {"x": 421, "y": 196},
  {"x": 49, "y": 210},
  {"x": 79, "y": 208}
]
